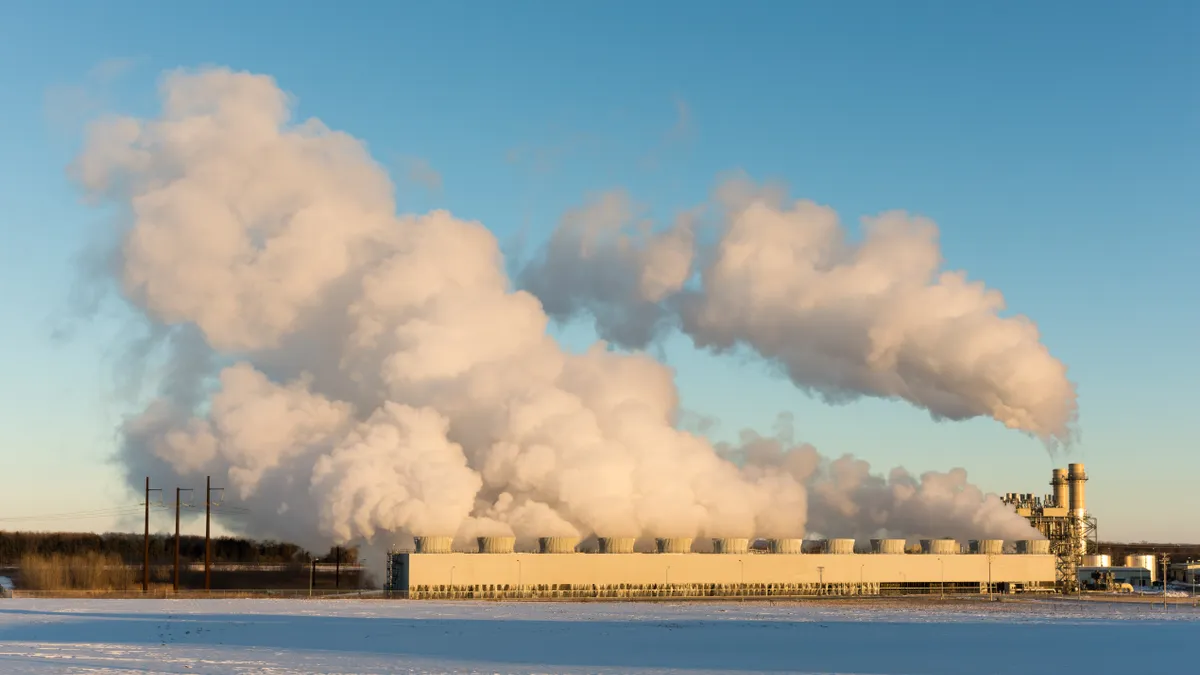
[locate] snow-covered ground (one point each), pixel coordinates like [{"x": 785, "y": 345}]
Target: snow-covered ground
[{"x": 302, "y": 636}]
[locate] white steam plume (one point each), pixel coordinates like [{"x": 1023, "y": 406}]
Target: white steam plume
[
  {"x": 843, "y": 319},
  {"x": 604, "y": 259},
  {"x": 846, "y": 500},
  {"x": 378, "y": 374},
  {"x": 350, "y": 373}
]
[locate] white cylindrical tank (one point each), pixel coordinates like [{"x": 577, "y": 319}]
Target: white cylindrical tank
[
  {"x": 558, "y": 544},
  {"x": 731, "y": 545},
  {"x": 497, "y": 544},
  {"x": 1033, "y": 546},
  {"x": 888, "y": 546},
  {"x": 1099, "y": 560},
  {"x": 940, "y": 546},
  {"x": 1145, "y": 561},
  {"x": 839, "y": 546},
  {"x": 790, "y": 546},
  {"x": 674, "y": 544},
  {"x": 433, "y": 544},
  {"x": 617, "y": 544}
]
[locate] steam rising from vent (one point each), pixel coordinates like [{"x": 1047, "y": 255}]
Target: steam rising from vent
[
  {"x": 843, "y": 319},
  {"x": 845, "y": 499},
  {"x": 353, "y": 373}
]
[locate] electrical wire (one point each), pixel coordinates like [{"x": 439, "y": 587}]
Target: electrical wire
[{"x": 71, "y": 515}]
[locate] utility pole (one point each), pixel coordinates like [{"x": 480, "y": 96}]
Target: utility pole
[
  {"x": 1166, "y": 561},
  {"x": 337, "y": 567},
  {"x": 146, "y": 540},
  {"x": 208, "y": 504},
  {"x": 989, "y": 576},
  {"x": 178, "y": 503}
]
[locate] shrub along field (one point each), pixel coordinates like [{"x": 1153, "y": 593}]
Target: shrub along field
[{"x": 38, "y": 561}]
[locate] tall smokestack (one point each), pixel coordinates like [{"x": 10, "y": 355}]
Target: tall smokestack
[
  {"x": 1076, "y": 477},
  {"x": 1058, "y": 483}
]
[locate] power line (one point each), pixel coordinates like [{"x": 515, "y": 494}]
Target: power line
[{"x": 69, "y": 515}]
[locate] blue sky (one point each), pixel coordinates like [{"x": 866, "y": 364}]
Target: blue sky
[{"x": 1058, "y": 148}]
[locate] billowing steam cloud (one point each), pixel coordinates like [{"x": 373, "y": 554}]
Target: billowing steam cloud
[
  {"x": 843, "y": 319},
  {"x": 354, "y": 373},
  {"x": 846, "y": 500}
]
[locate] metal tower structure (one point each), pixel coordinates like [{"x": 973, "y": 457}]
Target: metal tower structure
[{"x": 1062, "y": 517}]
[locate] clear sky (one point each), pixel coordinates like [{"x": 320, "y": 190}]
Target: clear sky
[{"x": 1057, "y": 145}]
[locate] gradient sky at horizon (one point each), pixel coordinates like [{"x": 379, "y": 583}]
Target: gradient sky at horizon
[{"x": 1056, "y": 145}]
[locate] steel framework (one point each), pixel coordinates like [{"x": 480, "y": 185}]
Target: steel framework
[{"x": 1071, "y": 537}]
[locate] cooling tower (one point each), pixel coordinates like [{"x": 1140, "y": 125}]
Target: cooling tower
[
  {"x": 790, "y": 546},
  {"x": 1100, "y": 560},
  {"x": 558, "y": 544},
  {"x": 1033, "y": 546},
  {"x": 940, "y": 546},
  {"x": 433, "y": 544},
  {"x": 617, "y": 544},
  {"x": 1058, "y": 483},
  {"x": 731, "y": 545},
  {"x": 839, "y": 546},
  {"x": 675, "y": 545},
  {"x": 887, "y": 546},
  {"x": 990, "y": 546},
  {"x": 497, "y": 544},
  {"x": 1076, "y": 477}
]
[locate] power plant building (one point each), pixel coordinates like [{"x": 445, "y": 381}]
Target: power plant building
[
  {"x": 733, "y": 569},
  {"x": 1062, "y": 517}
]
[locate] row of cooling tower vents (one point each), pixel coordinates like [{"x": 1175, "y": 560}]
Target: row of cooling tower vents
[{"x": 684, "y": 545}]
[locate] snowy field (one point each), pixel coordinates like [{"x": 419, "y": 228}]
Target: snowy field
[{"x": 365, "y": 636}]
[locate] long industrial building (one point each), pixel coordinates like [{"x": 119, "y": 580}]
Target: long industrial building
[{"x": 732, "y": 570}]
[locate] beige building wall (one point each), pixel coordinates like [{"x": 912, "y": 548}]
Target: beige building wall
[{"x": 643, "y": 569}]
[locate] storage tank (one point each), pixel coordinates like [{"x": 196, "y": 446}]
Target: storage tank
[
  {"x": 1033, "y": 546},
  {"x": 790, "y": 546},
  {"x": 497, "y": 544},
  {"x": 433, "y": 544},
  {"x": 839, "y": 546},
  {"x": 940, "y": 546},
  {"x": 727, "y": 545},
  {"x": 887, "y": 546},
  {"x": 674, "y": 544},
  {"x": 558, "y": 544},
  {"x": 1145, "y": 561},
  {"x": 617, "y": 544},
  {"x": 1100, "y": 560}
]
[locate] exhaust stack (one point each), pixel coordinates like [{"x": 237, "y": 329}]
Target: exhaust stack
[{"x": 1076, "y": 477}]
